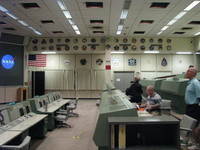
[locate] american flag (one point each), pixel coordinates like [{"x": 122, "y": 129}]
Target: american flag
[{"x": 37, "y": 60}]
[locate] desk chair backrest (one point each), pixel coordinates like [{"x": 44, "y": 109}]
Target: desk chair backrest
[
  {"x": 187, "y": 126},
  {"x": 23, "y": 146}
]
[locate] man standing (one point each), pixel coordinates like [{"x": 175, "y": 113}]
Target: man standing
[
  {"x": 192, "y": 95},
  {"x": 136, "y": 91}
]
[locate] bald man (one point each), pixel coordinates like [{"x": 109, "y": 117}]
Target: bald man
[
  {"x": 153, "y": 101},
  {"x": 192, "y": 94}
]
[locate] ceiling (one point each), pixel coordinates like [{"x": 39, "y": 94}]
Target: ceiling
[{"x": 110, "y": 14}]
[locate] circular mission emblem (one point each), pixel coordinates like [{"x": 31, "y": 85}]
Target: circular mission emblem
[{"x": 7, "y": 61}]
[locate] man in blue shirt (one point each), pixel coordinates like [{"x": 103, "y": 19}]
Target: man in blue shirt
[{"x": 192, "y": 95}]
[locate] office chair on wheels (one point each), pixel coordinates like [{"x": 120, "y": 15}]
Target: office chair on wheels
[
  {"x": 61, "y": 118},
  {"x": 23, "y": 146},
  {"x": 72, "y": 106},
  {"x": 187, "y": 126}
]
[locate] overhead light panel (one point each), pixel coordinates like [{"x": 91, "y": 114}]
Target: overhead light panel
[
  {"x": 184, "y": 53},
  {"x": 192, "y": 5},
  {"x": 37, "y": 32},
  {"x": 78, "y": 32},
  {"x": 11, "y": 15},
  {"x": 62, "y": 5},
  {"x": 164, "y": 28},
  {"x": 197, "y": 53},
  {"x": 23, "y": 23},
  {"x": 120, "y": 27},
  {"x": 124, "y": 14},
  {"x": 75, "y": 27},
  {"x": 117, "y": 52},
  {"x": 159, "y": 33},
  {"x": 181, "y": 14},
  {"x": 197, "y": 33},
  {"x": 151, "y": 52},
  {"x": 119, "y": 32},
  {"x": 48, "y": 52},
  {"x": 3, "y": 9},
  {"x": 67, "y": 14},
  {"x": 171, "y": 22},
  {"x": 71, "y": 21}
]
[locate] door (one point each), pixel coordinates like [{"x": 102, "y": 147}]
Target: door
[{"x": 38, "y": 83}]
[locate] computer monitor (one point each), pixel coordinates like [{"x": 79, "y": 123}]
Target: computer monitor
[
  {"x": 21, "y": 111},
  {"x": 27, "y": 109},
  {"x": 40, "y": 103}
]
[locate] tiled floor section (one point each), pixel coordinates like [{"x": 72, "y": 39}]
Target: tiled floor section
[{"x": 79, "y": 137}]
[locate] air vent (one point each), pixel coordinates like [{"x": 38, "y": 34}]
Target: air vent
[
  {"x": 178, "y": 32},
  {"x": 98, "y": 32},
  {"x": 186, "y": 28},
  {"x": 139, "y": 32},
  {"x": 121, "y": 21},
  {"x": 30, "y": 5},
  {"x": 195, "y": 22},
  {"x": 2, "y": 23},
  {"x": 10, "y": 29},
  {"x": 159, "y": 5},
  {"x": 57, "y": 32},
  {"x": 146, "y": 21},
  {"x": 127, "y": 4},
  {"x": 96, "y": 21},
  {"x": 97, "y": 27},
  {"x": 47, "y": 21},
  {"x": 94, "y": 4}
]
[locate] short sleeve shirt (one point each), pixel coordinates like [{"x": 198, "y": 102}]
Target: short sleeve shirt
[{"x": 152, "y": 100}]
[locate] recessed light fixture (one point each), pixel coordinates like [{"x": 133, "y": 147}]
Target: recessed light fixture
[
  {"x": 3, "y": 9},
  {"x": 184, "y": 53},
  {"x": 198, "y": 33},
  {"x": 62, "y": 5},
  {"x": 193, "y": 4},
  {"x": 48, "y": 52},
  {"x": 151, "y": 52},
  {"x": 124, "y": 14},
  {"x": 117, "y": 52}
]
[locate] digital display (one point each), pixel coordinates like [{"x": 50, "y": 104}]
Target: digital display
[
  {"x": 27, "y": 109},
  {"x": 21, "y": 111},
  {"x": 11, "y": 65}
]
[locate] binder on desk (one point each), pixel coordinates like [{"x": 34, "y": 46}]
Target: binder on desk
[
  {"x": 112, "y": 136},
  {"x": 122, "y": 136}
]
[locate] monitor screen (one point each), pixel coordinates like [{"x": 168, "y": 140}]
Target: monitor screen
[
  {"x": 11, "y": 64},
  {"x": 40, "y": 103},
  {"x": 21, "y": 111},
  {"x": 27, "y": 109}
]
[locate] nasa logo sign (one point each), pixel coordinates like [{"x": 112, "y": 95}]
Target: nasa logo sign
[{"x": 7, "y": 61}]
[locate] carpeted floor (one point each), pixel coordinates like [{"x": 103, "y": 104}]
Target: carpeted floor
[{"x": 79, "y": 137}]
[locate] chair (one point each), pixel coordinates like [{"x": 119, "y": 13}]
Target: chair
[
  {"x": 187, "y": 126},
  {"x": 72, "y": 106},
  {"x": 166, "y": 106},
  {"x": 61, "y": 118},
  {"x": 23, "y": 146}
]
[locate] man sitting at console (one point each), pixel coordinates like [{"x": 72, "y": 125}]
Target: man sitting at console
[{"x": 153, "y": 101}]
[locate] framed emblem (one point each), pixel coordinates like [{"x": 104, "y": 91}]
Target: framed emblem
[
  {"x": 83, "y": 61},
  {"x": 132, "y": 62},
  {"x": 134, "y": 40},
  {"x": 115, "y": 62},
  {"x": 99, "y": 61}
]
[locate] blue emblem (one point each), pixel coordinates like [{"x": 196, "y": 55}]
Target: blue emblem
[
  {"x": 164, "y": 62},
  {"x": 7, "y": 61}
]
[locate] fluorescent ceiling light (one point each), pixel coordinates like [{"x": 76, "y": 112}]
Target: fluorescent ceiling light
[
  {"x": 31, "y": 28},
  {"x": 193, "y": 4},
  {"x": 62, "y": 5},
  {"x": 75, "y": 27},
  {"x": 183, "y": 52},
  {"x": 119, "y": 32},
  {"x": 67, "y": 14},
  {"x": 197, "y": 53},
  {"x": 159, "y": 33},
  {"x": 22, "y": 22},
  {"x": 164, "y": 28},
  {"x": 48, "y": 52},
  {"x": 71, "y": 21},
  {"x": 197, "y": 33},
  {"x": 11, "y": 15},
  {"x": 181, "y": 14},
  {"x": 151, "y": 52},
  {"x": 124, "y": 14},
  {"x": 78, "y": 32},
  {"x": 3, "y": 9},
  {"x": 120, "y": 27},
  {"x": 171, "y": 22},
  {"x": 117, "y": 52},
  {"x": 37, "y": 32}
]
